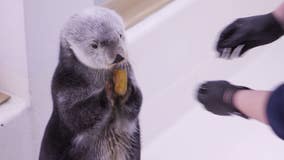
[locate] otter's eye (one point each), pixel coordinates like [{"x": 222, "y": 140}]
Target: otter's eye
[{"x": 94, "y": 45}]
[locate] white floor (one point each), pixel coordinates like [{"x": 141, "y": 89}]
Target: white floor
[{"x": 200, "y": 135}]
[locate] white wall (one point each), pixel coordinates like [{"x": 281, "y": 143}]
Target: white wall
[
  {"x": 13, "y": 65},
  {"x": 43, "y": 20},
  {"x": 15, "y": 137}
]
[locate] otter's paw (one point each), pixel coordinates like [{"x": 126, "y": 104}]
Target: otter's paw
[
  {"x": 109, "y": 92},
  {"x": 120, "y": 81}
]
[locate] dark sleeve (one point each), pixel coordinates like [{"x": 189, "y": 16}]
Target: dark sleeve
[{"x": 275, "y": 111}]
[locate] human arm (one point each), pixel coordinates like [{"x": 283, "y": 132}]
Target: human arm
[{"x": 223, "y": 98}]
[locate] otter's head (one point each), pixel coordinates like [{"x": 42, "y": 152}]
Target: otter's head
[{"x": 96, "y": 37}]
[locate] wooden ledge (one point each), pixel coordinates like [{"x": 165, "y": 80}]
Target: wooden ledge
[{"x": 133, "y": 11}]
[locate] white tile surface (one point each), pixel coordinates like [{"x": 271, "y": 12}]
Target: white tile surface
[
  {"x": 173, "y": 52},
  {"x": 201, "y": 135},
  {"x": 172, "y": 57}
]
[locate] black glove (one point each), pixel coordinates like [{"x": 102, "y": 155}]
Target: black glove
[
  {"x": 217, "y": 97},
  {"x": 250, "y": 32}
]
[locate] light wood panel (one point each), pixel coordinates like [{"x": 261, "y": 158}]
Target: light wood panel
[
  {"x": 3, "y": 98},
  {"x": 134, "y": 11}
]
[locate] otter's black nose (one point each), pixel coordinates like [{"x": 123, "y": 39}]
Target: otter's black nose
[{"x": 118, "y": 59}]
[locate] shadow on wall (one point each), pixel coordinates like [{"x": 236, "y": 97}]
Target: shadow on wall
[{"x": 99, "y": 1}]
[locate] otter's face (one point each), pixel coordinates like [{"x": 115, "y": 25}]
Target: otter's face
[{"x": 96, "y": 37}]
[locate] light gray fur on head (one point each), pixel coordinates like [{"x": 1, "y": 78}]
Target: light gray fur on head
[{"x": 93, "y": 27}]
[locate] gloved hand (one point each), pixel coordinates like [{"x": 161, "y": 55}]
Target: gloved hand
[
  {"x": 217, "y": 97},
  {"x": 249, "y": 32}
]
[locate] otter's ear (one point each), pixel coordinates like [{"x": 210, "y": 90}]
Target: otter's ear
[
  {"x": 65, "y": 51},
  {"x": 75, "y": 49},
  {"x": 79, "y": 54}
]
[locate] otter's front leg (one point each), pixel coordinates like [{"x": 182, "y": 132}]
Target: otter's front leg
[
  {"x": 80, "y": 113},
  {"x": 130, "y": 104}
]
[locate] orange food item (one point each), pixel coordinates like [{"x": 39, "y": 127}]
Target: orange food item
[{"x": 120, "y": 81}]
